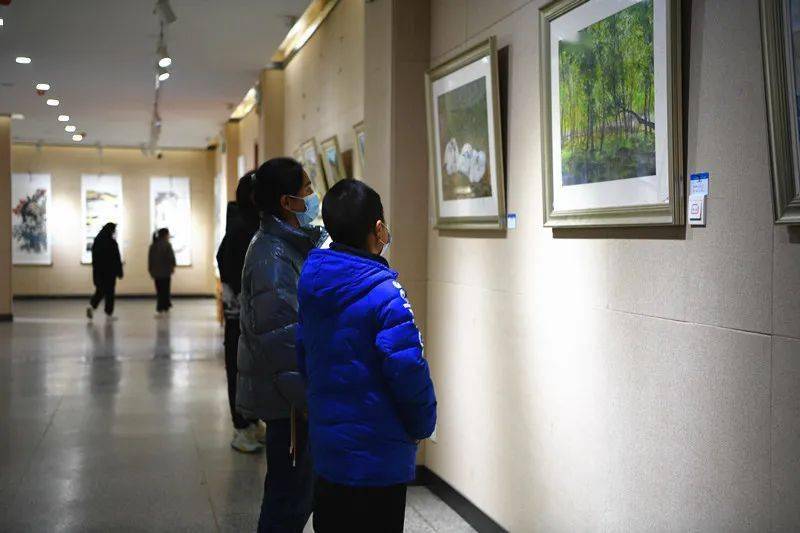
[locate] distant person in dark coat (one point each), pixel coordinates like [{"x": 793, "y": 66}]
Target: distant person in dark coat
[
  {"x": 161, "y": 265},
  {"x": 241, "y": 224},
  {"x": 106, "y": 268}
]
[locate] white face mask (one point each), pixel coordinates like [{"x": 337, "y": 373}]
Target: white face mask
[{"x": 386, "y": 245}]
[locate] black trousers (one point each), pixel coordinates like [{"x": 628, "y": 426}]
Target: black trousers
[
  {"x": 104, "y": 291},
  {"x": 232, "y": 331},
  {"x": 163, "y": 300},
  {"x": 358, "y": 509},
  {"x": 288, "y": 486}
]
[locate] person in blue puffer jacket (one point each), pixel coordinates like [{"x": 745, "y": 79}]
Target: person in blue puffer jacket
[{"x": 369, "y": 392}]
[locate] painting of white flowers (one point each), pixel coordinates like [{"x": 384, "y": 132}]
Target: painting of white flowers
[{"x": 465, "y": 141}]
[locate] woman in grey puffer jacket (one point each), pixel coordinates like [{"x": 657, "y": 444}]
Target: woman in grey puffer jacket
[{"x": 268, "y": 385}]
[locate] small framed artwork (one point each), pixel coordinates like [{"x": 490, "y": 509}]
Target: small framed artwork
[
  {"x": 781, "y": 46},
  {"x": 611, "y": 113},
  {"x": 309, "y": 158},
  {"x": 361, "y": 147},
  {"x": 465, "y": 142},
  {"x": 332, "y": 161},
  {"x": 31, "y": 231}
]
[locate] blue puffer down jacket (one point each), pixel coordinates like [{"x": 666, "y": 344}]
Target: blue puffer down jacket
[{"x": 370, "y": 395}]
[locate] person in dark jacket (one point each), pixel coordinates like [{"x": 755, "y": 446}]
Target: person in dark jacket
[
  {"x": 241, "y": 224},
  {"x": 106, "y": 268},
  {"x": 161, "y": 266},
  {"x": 370, "y": 395},
  {"x": 269, "y": 386}
]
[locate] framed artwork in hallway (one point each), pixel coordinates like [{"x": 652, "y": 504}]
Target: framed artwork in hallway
[
  {"x": 611, "y": 113},
  {"x": 31, "y": 239},
  {"x": 361, "y": 147},
  {"x": 780, "y": 34},
  {"x": 332, "y": 161},
  {"x": 465, "y": 141},
  {"x": 171, "y": 208},
  {"x": 101, "y": 203},
  {"x": 309, "y": 157}
]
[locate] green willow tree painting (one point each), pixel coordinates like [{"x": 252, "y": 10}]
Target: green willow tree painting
[{"x": 606, "y": 86}]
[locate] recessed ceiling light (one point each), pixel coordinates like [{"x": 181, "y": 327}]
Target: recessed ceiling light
[
  {"x": 77, "y": 137},
  {"x": 22, "y": 60},
  {"x": 69, "y": 129},
  {"x": 42, "y": 86},
  {"x": 52, "y": 102},
  {"x": 63, "y": 118},
  {"x": 17, "y": 116}
]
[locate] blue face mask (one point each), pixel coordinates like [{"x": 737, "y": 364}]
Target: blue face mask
[{"x": 305, "y": 218}]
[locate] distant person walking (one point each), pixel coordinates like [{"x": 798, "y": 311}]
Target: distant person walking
[
  {"x": 161, "y": 265},
  {"x": 106, "y": 268},
  {"x": 240, "y": 226}
]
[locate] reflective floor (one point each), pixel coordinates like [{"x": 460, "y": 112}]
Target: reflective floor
[{"x": 125, "y": 426}]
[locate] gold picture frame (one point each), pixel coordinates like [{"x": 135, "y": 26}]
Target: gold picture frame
[
  {"x": 643, "y": 194},
  {"x": 466, "y": 154},
  {"x": 361, "y": 147},
  {"x": 309, "y": 158},
  {"x": 332, "y": 161}
]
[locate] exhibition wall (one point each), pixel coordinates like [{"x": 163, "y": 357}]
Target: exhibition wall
[
  {"x": 248, "y": 139},
  {"x": 324, "y": 81},
  {"x": 622, "y": 379},
  {"x": 5, "y": 224},
  {"x": 66, "y": 165}
]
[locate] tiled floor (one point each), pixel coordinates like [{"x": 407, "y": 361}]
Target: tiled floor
[{"x": 125, "y": 426}]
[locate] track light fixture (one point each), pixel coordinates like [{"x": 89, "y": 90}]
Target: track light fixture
[
  {"x": 163, "y": 56},
  {"x": 165, "y": 12}
]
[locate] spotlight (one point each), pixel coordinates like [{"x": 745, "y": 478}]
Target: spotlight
[
  {"x": 165, "y": 11},
  {"x": 42, "y": 87},
  {"x": 63, "y": 118},
  {"x": 163, "y": 56},
  {"x": 70, "y": 128},
  {"x": 1, "y": 23},
  {"x": 162, "y": 74},
  {"x": 78, "y": 137},
  {"x": 52, "y": 102},
  {"x": 22, "y": 60},
  {"x": 17, "y": 116}
]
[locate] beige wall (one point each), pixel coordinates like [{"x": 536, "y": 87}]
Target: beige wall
[
  {"x": 5, "y": 222},
  {"x": 611, "y": 380},
  {"x": 248, "y": 138},
  {"x": 66, "y": 164},
  {"x": 324, "y": 82}
]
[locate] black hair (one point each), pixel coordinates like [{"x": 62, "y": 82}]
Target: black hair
[
  {"x": 163, "y": 232},
  {"x": 275, "y": 178},
  {"x": 350, "y": 210},
  {"x": 244, "y": 191}
]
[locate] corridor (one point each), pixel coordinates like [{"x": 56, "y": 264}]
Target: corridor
[{"x": 125, "y": 426}]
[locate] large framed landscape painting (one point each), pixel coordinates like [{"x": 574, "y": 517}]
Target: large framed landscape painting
[
  {"x": 101, "y": 197},
  {"x": 332, "y": 161},
  {"x": 780, "y": 34},
  {"x": 465, "y": 141},
  {"x": 30, "y": 227},
  {"x": 611, "y": 113},
  {"x": 171, "y": 208}
]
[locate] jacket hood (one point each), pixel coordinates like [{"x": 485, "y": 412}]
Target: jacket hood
[{"x": 331, "y": 280}]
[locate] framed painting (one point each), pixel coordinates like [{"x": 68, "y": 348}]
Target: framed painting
[
  {"x": 780, "y": 34},
  {"x": 30, "y": 228},
  {"x": 332, "y": 161},
  {"x": 611, "y": 113},
  {"x": 171, "y": 208},
  {"x": 309, "y": 157},
  {"x": 101, "y": 203},
  {"x": 465, "y": 142},
  {"x": 361, "y": 147}
]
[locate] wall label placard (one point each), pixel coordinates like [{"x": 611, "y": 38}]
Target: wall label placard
[{"x": 698, "y": 184}]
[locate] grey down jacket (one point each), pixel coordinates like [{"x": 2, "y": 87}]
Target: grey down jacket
[{"x": 266, "y": 357}]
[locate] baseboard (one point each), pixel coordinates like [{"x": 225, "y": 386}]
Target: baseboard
[
  {"x": 152, "y": 296},
  {"x": 467, "y": 510},
  {"x": 7, "y": 318}
]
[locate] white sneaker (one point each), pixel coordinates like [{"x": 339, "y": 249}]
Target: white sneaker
[
  {"x": 243, "y": 441},
  {"x": 258, "y": 431}
]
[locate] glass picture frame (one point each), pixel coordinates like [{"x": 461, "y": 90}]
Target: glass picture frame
[
  {"x": 611, "y": 113},
  {"x": 465, "y": 140},
  {"x": 781, "y": 49},
  {"x": 332, "y": 161}
]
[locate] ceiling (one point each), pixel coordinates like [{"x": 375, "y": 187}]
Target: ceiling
[{"x": 99, "y": 55}]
